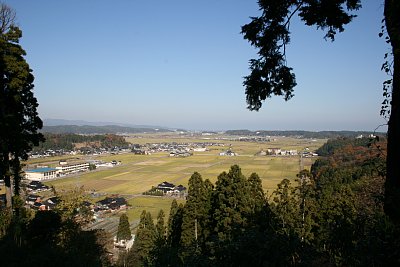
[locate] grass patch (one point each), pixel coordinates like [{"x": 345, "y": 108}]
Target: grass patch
[{"x": 150, "y": 204}]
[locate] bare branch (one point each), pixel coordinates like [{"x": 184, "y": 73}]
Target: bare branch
[
  {"x": 291, "y": 15},
  {"x": 287, "y": 24},
  {"x": 7, "y": 18}
]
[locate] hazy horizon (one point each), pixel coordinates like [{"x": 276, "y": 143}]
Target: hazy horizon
[{"x": 61, "y": 122}]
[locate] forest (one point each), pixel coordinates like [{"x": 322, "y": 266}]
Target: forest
[{"x": 68, "y": 141}]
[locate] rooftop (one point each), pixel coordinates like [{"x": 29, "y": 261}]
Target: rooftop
[{"x": 41, "y": 170}]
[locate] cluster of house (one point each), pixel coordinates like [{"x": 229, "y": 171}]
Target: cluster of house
[
  {"x": 282, "y": 152},
  {"x": 180, "y": 149},
  {"x": 51, "y": 153},
  {"x": 101, "y": 164},
  {"x": 35, "y": 187},
  {"x": 83, "y": 150},
  {"x": 256, "y": 139},
  {"x": 38, "y": 203},
  {"x": 32, "y": 188},
  {"x": 179, "y": 153},
  {"x": 279, "y": 152},
  {"x": 109, "y": 204},
  {"x": 35, "y": 201},
  {"x": 101, "y": 151}
]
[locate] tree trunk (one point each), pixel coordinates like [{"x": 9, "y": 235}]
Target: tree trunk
[
  {"x": 7, "y": 181},
  {"x": 392, "y": 184}
]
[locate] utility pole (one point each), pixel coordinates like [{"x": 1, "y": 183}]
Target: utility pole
[{"x": 301, "y": 162}]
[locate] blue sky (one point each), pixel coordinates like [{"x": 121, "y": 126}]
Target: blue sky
[{"x": 180, "y": 64}]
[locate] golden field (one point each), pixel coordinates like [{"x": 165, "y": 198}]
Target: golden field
[{"x": 138, "y": 173}]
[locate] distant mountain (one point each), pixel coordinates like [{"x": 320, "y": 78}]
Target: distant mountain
[
  {"x": 58, "y": 122},
  {"x": 106, "y": 129}
]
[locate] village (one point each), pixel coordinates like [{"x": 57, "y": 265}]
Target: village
[
  {"x": 175, "y": 149},
  {"x": 102, "y": 213},
  {"x": 105, "y": 208}
]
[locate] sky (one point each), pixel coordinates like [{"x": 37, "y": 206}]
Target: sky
[{"x": 181, "y": 63}]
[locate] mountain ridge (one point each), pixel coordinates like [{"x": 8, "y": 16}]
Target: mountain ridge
[{"x": 60, "y": 122}]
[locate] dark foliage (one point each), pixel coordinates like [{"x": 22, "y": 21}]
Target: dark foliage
[
  {"x": 124, "y": 230},
  {"x": 333, "y": 144},
  {"x": 269, "y": 34},
  {"x": 68, "y": 141},
  {"x": 47, "y": 240},
  {"x": 19, "y": 119},
  {"x": 145, "y": 241}
]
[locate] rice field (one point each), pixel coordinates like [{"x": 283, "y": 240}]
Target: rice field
[
  {"x": 138, "y": 173},
  {"x": 149, "y": 204}
]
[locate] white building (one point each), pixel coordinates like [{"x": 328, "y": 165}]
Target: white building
[
  {"x": 228, "y": 153},
  {"x": 66, "y": 169},
  {"x": 274, "y": 151},
  {"x": 41, "y": 174},
  {"x": 124, "y": 244}
]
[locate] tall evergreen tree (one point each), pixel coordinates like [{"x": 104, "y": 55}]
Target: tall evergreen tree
[
  {"x": 258, "y": 201},
  {"x": 286, "y": 211},
  {"x": 175, "y": 224},
  {"x": 195, "y": 228},
  {"x": 160, "y": 226},
  {"x": 231, "y": 204},
  {"x": 207, "y": 206},
  {"x": 285, "y": 206},
  {"x": 144, "y": 243},
  {"x": 194, "y": 212},
  {"x": 161, "y": 254},
  {"x": 19, "y": 118},
  {"x": 171, "y": 255},
  {"x": 172, "y": 211},
  {"x": 124, "y": 230}
]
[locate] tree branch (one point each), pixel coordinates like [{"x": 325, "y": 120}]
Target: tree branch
[
  {"x": 291, "y": 15},
  {"x": 287, "y": 24}
]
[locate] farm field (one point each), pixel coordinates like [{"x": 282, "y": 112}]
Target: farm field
[
  {"x": 149, "y": 204},
  {"x": 138, "y": 173}
]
